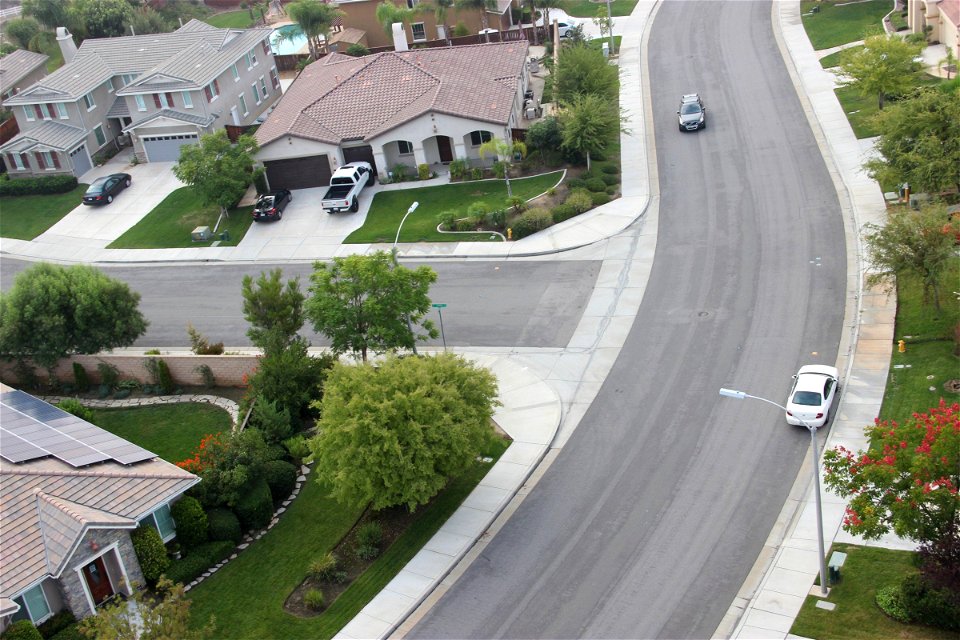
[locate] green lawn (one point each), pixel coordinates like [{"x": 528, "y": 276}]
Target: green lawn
[
  {"x": 26, "y": 217},
  {"x": 835, "y": 25},
  {"x": 311, "y": 526},
  {"x": 857, "y": 616},
  {"x": 833, "y": 59},
  {"x": 861, "y": 110},
  {"x": 172, "y": 431},
  {"x": 171, "y": 221},
  {"x": 587, "y": 9},
  {"x": 230, "y": 20},
  {"x": 389, "y": 207}
]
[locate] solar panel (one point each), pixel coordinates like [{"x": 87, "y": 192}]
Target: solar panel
[{"x": 31, "y": 428}]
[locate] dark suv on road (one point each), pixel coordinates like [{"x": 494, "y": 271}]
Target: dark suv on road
[{"x": 692, "y": 115}]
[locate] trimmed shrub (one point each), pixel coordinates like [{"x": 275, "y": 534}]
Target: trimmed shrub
[
  {"x": 517, "y": 203},
  {"x": 164, "y": 379},
  {"x": 927, "y": 605},
  {"x": 423, "y": 171},
  {"x": 596, "y": 184},
  {"x": 562, "y": 212},
  {"x": 610, "y": 179},
  {"x": 281, "y": 477},
  {"x": 255, "y": 507},
  {"x": 80, "y": 378},
  {"x": 109, "y": 375},
  {"x": 44, "y": 185},
  {"x": 580, "y": 200},
  {"x": 497, "y": 218},
  {"x": 447, "y": 219},
  {"x": 610, "y": 169},
  {"x": 478, "y": 210},
  {"x": 597, "y": 156},
  {"x": 611, "y": 191},
  {"x": 888, "y": 599},
  {"x": 57, "y": 623},
  {"x": 191, "y": 522},
  {"x": 370, "y": 534},
  {"x": 324, "y": 567},
  {"x": 297, "y": 447},
  {"x": 576, "y": 183},
  {"x": 22, "y": 630},
  {"x": 223, "y": 525},
  {"x": 313, "y": 599},
  {"x": 200, "y": 345},
  {"x": 72, "y": 405},
  {"x": 458, "y": 169},
  {"x": 476, "y": 173},
  {"x": 531, "y": 221},
  {"x": 357, "y": 50},
  {"x": 274, "y": 424},
  {"x": 71, "y": 632},
  {"x": 367, "y": 552},
  {"x": 599, "y": 198},
  {"x": 200, "y": 559},
  {"x": 500, "y": 169},
  {"x": 151, "y": 553}
]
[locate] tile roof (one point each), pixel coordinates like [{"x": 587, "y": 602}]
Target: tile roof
[
  {"x": 341, "y": 97},
  {"x": 17, "y": 64},
  {"x": 350, "y": 35},
  {"x": 173, "y": 114},
  {"x": 119, "y": 109},
  {"x": 189, "y": 57},
  {"x": 49, "y": 133},
  {"x": 951, "y": 9},
  {"x": 46, "y": 506}
]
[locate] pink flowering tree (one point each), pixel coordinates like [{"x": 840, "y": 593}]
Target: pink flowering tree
[{"x": 907, "y": 481}]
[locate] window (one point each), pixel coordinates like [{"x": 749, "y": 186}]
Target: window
[
  {"x": 236, "y": 72},
  {"x": 256, "y": 93},
  {"x": 253, "y": 56},
  {"x": 406, "y": 147},
  {"x": 412, "y": 3},
  {"x": 62, "y": 111},
  {"x": 18, "y": 161},
  {"x": 419, "y": 31},
  {"x": 187, "y": 100},
  {"x": 212, "y": 90},
  {"x": 477, "y": 138},
  {"x": 263, "y": 87},
  {"x": 243, "y": 104},
  {"x": 141, "y": 104},
  {"x": 163, "y": 100},
  {"x": 28, "y": 113},
  {"x": 88, "y": 100},
  {"x": 33, "y": 605},
  {"x": 48, "y": 160},
  {"x": 275, "y": 78},
  {"x": 109, "y": 85},
  {"x": 266, "y": 47},
  {"x": 248, "y": 60},
  {"x": 98, "y": 132},
  {"x": 127, "y": 78},
  {"x": 162, "y": 521}
]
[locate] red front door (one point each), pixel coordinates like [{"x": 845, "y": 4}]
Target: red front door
[{"x": 95, "y": 574}]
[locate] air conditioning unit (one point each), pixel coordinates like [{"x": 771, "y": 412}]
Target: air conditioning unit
[{"x": 201, "y": 234}]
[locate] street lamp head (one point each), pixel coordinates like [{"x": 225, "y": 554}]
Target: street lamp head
[
  {"x": 732, "y": 393},
  {"x": 413, "y": 207}
]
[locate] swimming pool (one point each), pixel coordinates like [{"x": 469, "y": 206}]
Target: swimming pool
[{"x": 285, "y": 46}]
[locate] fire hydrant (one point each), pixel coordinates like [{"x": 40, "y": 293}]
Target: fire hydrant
[
  {"x": 509, "y": 234},
  {"x": 902, "y": 346}
]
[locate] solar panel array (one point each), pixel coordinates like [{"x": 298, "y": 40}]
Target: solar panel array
[{"x": 31, "y": 428}]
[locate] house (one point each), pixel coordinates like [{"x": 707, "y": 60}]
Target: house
[
  {"x": 362, "y": 15},
  {"x": 20, "y": 69},
  {"x": 70, "y": 493},
  {"x": 157, "y": 91},
  {"x": 426, "y": 106},
  {"x": 943, "y": 18}
]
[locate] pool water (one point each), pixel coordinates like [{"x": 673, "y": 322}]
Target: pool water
[{"x": 285, "y": 46}]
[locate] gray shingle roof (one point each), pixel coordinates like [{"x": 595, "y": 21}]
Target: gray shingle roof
[
  {"x": 14, "y": 66},
  {"x": 340, "y": 97},
  {"x": 119, "y": 109},
  {"x": 193, "y": 55},
  {"x": 172, "y": 114},
  {"x": 48, "y": 133}
]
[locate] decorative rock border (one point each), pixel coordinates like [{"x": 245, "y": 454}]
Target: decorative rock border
[{"x": 226, "y": 404}]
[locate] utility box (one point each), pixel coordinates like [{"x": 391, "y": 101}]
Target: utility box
[
  {"x": 201, "y": 234},
  {"x": 606, "y": 49}
]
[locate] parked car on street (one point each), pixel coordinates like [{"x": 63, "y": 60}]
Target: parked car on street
[
  {"x": 270, "y": 206},
  {"x": 814, "y": 388},
  {"x": 346, "y": 183},
  {"x": 692, "y": 115},
  {"x": 105, "y": 188}
]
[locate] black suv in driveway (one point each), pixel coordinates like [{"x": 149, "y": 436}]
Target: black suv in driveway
[
  {"x": 270, "y": 206},
  {"x": 692, "y": 115}
]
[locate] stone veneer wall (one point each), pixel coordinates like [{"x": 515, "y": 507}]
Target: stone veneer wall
[{"x": 71, "y": 582}]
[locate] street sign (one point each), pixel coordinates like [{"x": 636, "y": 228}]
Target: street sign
[{"x": 439, "y": 305}]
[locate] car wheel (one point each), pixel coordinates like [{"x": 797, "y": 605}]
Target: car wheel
[
  {"x": 355, "y": 206},
  {"x": 680, "y": 127},
  {"x": 109, "y": 199},
  {"x": 127, "y": 182},
  {"x": 280, "y": 215},
  {"x": 373, "y": 179}
]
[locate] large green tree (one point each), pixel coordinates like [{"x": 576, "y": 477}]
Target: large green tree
[
  {"x": 581, "y": 71},
  {"x": 53, "y": 311},
  {"x": 883, "y": 67},
  {"x": 907, "y": 480},
  {"x": 164, "y": 617},
  {"x": 394, "y": 434},
  {"x": 273, "y": 309},
  {"x": 363, "y": 303},
  {"x": 920, "y": 142},
  {"x": 918, "y": 243},
  {"x": 590, "y": 123},
  {"x": 218, "y": 171},
  {"x": 50, "y": 13},
  {"x": 22, "y": 31},
  {"x": 102, "y": 18},
  {"x": 314, "y": 19}
]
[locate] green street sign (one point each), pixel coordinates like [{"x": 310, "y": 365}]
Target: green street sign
[{"x": 439, "y": 305}]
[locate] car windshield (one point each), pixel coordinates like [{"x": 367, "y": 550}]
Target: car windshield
[
  {"x": 807, "y": 398},
  {"x": 689, "y": 108},
  {"x": 97, "y": 186},
  {"x": 266, "y": 201}
]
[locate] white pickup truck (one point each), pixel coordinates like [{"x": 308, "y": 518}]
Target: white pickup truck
[{"x": 346, "y": 183}]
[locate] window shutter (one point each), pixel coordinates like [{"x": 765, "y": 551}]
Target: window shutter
[
  {"x": 40, "y": 162},
  {"x": 156, "y": 101},
  {"x": 26, "y": 160},
  {"x": 170, "y": 100},
  {"x": 206, "y": 90},
  {"x": 266, "y": 49},
  {"x": 56, "y": 160},
  {"x": 11, "y": 163},
  {"x": 216, "y": 86},
  {"x": 38, "y": 111}
]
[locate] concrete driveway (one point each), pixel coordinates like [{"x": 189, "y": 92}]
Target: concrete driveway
[{"x": 96, "y": 227}]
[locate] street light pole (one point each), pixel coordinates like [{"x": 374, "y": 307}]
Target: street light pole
[
  {"x": 396, "y": 264},
  {"x": 740, "y": 395}
]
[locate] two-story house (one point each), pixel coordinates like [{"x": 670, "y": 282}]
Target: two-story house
[
  {"x": 159, "y": 91},
  {"x": 19, "y": 70}
]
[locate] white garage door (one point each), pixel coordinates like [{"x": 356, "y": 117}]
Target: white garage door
[
  {"x": 166, "y": 148},
  {"x": 81, "y": 160}
]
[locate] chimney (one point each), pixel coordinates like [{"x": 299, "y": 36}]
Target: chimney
[
  {"x": 67, "y": 46},
  {"x": 399, "y": 37}
]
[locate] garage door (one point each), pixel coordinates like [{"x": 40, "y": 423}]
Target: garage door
[
  {"x": 81, "y": 160},
  {"x": 166, "y": 148},
  {"x": 360, "y": 154},
  {"x": 298, "y": 173}
]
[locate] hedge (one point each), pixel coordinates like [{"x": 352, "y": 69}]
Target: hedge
[
  {"x": 151, "y": 553},
  {"x": 44, "y": 185},
  {"x": 69, "y": 633},
  {"x": 191, "y": 522},
  {"x": 200, "y": 559},
  {"x": 255, "y": 507},
  {"x": 281, "y": 477},
  {"x": 223, "y": 524},
  {"x": 57, "y": 623},
  {"x": 21, "y": 630}
]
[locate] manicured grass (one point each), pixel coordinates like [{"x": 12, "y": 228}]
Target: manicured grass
[
  {"x": 861, "y": 110},
  {"x": 171, "y": 221},
  {"x": 389, "y": 207},
  {"x": 587, "y": 9},
  {"x": 172, "y": 431},
  {"x": 26, "y": 217},
  {"x": 597, "y": 43},
  {"x": 833, "y": 59},
  {"x": 835, "y": 25},
  {"x": 857, "y": 616},
  {"x": 311, "y": 526},
  {"x": 230, "y": 20}
]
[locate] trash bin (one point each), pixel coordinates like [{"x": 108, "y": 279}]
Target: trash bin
[{"x": 225, "y": 236}]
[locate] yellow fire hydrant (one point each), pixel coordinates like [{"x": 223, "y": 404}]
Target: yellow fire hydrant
[
  {"x": 509, "y": 234},
  {"x": 902, "y": 346}
]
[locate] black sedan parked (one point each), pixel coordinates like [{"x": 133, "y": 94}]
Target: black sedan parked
[
  {"x": 103, "y": 189},
  {"x": 270, "y": 206}
]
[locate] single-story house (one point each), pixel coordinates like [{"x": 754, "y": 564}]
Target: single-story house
[
  {"x": 425, "y": 106},
  {"x": 70, "y": 493}
]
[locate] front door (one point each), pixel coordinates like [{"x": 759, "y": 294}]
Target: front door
[
  {"x": 95, "y": 574},
  {"x": 443, "y": 147}
]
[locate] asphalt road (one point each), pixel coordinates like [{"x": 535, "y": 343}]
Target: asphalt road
[
  {"x": 516, "y": 304},
  {"x": 655, "y": 510}
]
